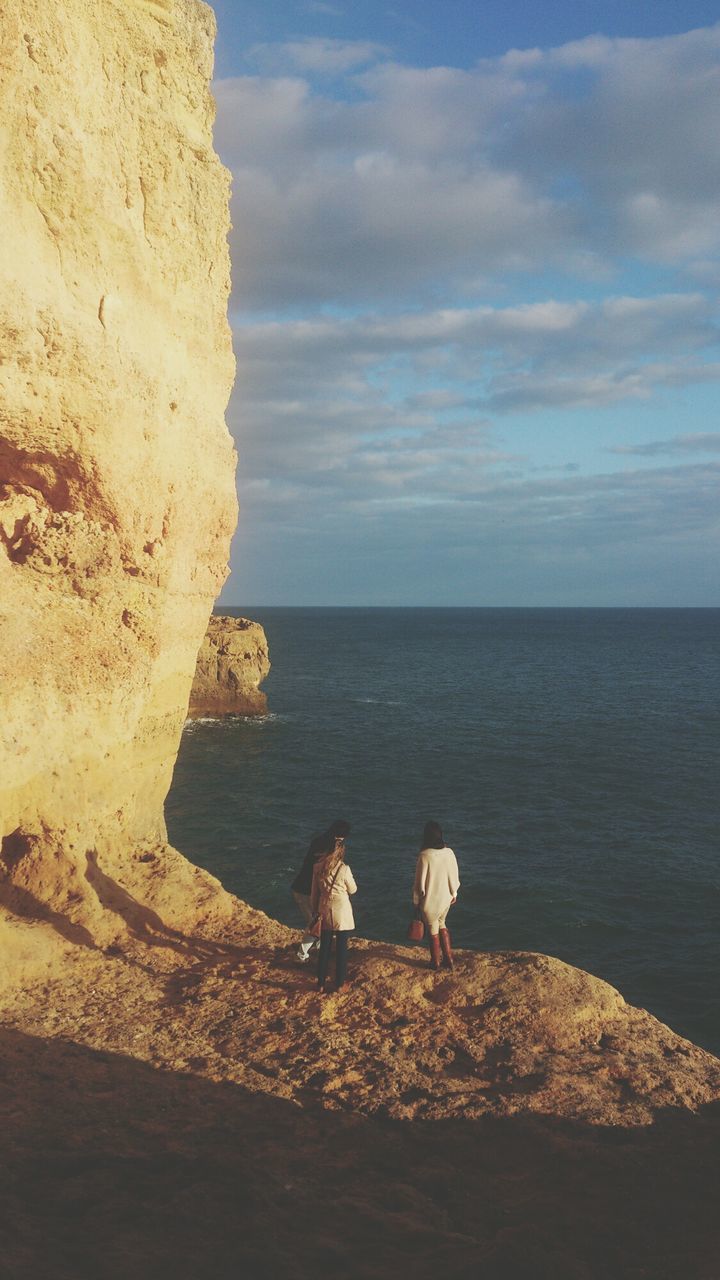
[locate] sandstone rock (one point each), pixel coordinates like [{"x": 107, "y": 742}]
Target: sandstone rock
[
  {"x": 232, "y": 663},
  {"x": 505, "y": 1035},
  {"x": 117, "y": 497}
]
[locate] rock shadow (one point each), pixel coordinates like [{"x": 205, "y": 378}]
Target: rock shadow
[
  {"x": 22, "y": 903},
  {"x": 144, "y": 923},
  {"x": 111, "y": 1168}
]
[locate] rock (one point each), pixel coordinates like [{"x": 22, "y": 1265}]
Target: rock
[
  {"x": 117, "y": 497},
  {"x": 232, "y": 662},
  {"x": 514, "y": 1118}
]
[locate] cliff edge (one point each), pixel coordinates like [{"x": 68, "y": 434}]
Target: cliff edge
[{"x": 184, "y": 1105}]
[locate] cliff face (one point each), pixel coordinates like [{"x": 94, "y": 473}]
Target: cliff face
[
  {"x": 117, "y": 498},
  {"x": 232, "y": 663}
]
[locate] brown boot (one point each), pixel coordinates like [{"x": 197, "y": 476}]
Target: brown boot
[
  {"x": 447, "y": 955},
  {"x": 435, "y": 960}
]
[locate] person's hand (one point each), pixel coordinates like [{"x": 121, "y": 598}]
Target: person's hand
[{"x": 453, "y": 901}]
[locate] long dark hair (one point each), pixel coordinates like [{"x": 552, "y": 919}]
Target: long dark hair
[
  {"x": 432, "y": 837},
  {"x": 337, "y": 830},
  {"x": 328, "y": 865}
]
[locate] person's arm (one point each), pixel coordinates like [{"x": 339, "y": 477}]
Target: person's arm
[
  {"x": 420, "y": 879},
  {"x": 349, "y": 880},
  {"x": 453, "y": 877}
]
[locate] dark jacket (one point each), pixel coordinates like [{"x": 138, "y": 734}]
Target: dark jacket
[{"x": 319, "y": 846}]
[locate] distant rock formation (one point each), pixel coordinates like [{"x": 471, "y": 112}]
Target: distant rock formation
[
  {"x": 232, "y": 663},
  {"x": 117, "y": 498}
]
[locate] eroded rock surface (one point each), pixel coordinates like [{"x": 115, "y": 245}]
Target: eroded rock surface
[
  {"x": 232, "y": 663},
  {"x": 506, "y": 1034},
  {"x": 117, "y": 497},
  {"x": 513, "y": 1119}
]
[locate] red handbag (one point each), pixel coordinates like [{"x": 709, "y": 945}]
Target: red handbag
[{"x": 416, "y": 928}]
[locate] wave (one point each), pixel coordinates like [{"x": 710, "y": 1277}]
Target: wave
[{"x": 229, "y": 720}]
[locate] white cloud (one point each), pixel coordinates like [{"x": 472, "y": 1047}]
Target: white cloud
[
  {"x": 488, "y": 357},
  {"x": 426, "y": 178},
  {"x": 368, "y": 410},
  {"x": 316, "y": 55},
  {"x": 371, "y": 415}
]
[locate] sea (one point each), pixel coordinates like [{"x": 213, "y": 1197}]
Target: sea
[{"x": 572, "y": 757}]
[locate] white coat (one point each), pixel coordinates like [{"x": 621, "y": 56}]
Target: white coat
[
  {"x": 335, "y": 907},
  {"x": 437, "y": 881}
]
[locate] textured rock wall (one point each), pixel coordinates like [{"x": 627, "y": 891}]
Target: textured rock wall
[
  {"x": 117, "y": 497},
  {"x": 232, "y": 663}
]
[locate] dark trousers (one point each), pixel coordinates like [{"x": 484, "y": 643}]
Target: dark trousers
[{"x": 341, "y": 943}]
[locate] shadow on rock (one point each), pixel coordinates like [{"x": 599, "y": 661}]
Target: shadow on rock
[
  {"x": 146, "y": 925},
  {"x": 22, "y": 903},
  {"x": 111, "y": 1168}
]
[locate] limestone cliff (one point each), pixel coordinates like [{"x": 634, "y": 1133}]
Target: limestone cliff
[
  {"x": 117, "y": 497},
  {"x": 232, "y": 663}
]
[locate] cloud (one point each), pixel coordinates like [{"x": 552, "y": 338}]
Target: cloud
[
  {"x": 384, "y": 429},
  {"x": 416, "y": 180},
  {"x": 389, "y": 386},
  {"x": 700, "y": 442},
  {"x": 479, "y": 360},
  {"x": 628, "y": 120},
  {"x": 636, "y": 537},
  {"x": 521, "y": 392},
  {"x": 316, "y": 55}
]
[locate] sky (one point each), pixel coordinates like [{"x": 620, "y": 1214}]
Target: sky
[{"x": 476, "y": 264}]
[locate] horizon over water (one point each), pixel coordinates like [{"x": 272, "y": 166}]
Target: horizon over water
[{"x": 570, "y": 754}]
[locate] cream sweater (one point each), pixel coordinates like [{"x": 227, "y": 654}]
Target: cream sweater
[
  {"x": 337, "y": 912},
  {"x": 436, "y": 882}
]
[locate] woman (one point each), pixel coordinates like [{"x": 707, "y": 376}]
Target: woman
[
  {"x": 332, "y": 885},
  {"x": 435, "y": 892},
  {"x": 320, "y": 847}
]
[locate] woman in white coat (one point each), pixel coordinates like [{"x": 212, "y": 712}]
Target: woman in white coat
[
  {"x": 332, "y": 885},
  {"x": 435, "y": 891}
]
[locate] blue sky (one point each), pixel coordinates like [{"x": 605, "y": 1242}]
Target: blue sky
[{"x": 476, "y": 261}]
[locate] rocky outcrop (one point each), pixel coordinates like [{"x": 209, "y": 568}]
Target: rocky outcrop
[
  {"x": 232, "y": 663},
  {"x": 506, "y": 1034},
  {"x": 556, "y": 1131},
  {"x": 117, "y": 498}
]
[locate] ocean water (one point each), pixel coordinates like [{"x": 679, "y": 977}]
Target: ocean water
[{"x": 571, "y": 756}]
